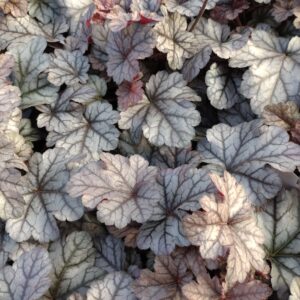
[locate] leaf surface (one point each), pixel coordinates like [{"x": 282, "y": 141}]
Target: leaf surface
[
  {"x": 245, "y": 150},
  {"x": 165, "y": 115}
]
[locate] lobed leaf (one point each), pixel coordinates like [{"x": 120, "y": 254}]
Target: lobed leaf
[
  {"x": 245, "y": 150},
  {"x": 28, "y": 278},
  {"x": 165, "y": 115},
  {"x": 123, "y": 189},
  {"x": 43, "y": 188}
]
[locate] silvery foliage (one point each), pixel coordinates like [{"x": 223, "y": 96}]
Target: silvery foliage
[{"x": 144, "y": 144}]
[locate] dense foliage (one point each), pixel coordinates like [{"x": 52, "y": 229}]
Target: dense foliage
[{"x": 149, "y": 149}]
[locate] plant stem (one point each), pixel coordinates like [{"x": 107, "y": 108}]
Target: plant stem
[{"x": 201, "y": 12}]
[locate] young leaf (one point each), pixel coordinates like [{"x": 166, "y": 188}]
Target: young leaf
[
  {"x": 279, "y": 221},
  {"x": 129, "y": 93},
  {"x": 73, "y": 259},
  {"x": 283, "y": 9},
  {"x": 227, "y": 221},
  {"x": 210, "y": 289},
  {"x": 217, "y": 36},
  {"x": 169, "y": 275},
  {"x": 68, "y": 67},
  {"x": 18, "y": 8},
  {"x": 129, "y": 233},
  {"x": 28, "y": 278},
  {"x": 147, "y": 9},
  {"x": 123, "y": 189},
  {"x": 74, "y": 11},
  {"x": 114, "y": 286},
  {"x": 174, "y": 39},
  {"x": 244, "y": 151},
  {"x": 274, "y": 65},
  {"x": 228, "y": 10},
  {"x": 285, "y": 115},
  {"x": 207, "y": 288},
  {"x": 181, "y": 189},
  {"x": 165, "y": 115},
  {"x": 90, "y": 133},
  {"x": 44, "y": 193},
  {"x": 125, "y": 48}
]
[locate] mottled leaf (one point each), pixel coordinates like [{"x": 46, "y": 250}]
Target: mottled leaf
[
  {"x": 237, "y": 114},
  {"x": 11, "y": 199},
  {"x": 73, "y": 260},
  {"x": 125, "y": 48},
  {"x": 129, "y": 233},
  {"x": 295, "y": 289},
  {"x": 19, "y": 31},
  {"x": 173, "y": 38},
  {"x": 189, "y": 8},
  {"x": 90, "y": 133},
  {"x": 285, "y": 115},
  {"x": 18, "y": 8},
  {"x": 74, "y": 11},
  {"x": 218, "y": 37},
  {"x": 283, "y": 9},
  {"x": 192, "y": 67},
  {"x": 279, "y": 221},
  {"x": 147, "y": 9},
  {"x": 43, "y": 188},
  {"x": 282, "y": 114},
  {"x": 53, "y": 116},
  {"x": 223, "y": 86},
  {"x": 43, "y": 10},
  {"x": 114, "y": 286},
  {"x": 181, "y": 190},
  {"x": 166, "y": 157},
  {"x": 68, "y": 67},
  {"x": 9, "y": 100},
  {"x": 123, "y": 189},
  {"x": 30, "y": 61},
  {"x": 210, "y": 289},
  {"x": 297, "y": 19},
  {"x": 165, "y": 115},
  {"x": 274, "y": 65},
  {"x": 227, "y": 221},
  {"x": 165, "y": 282},
  {"x": 129, "y": 93},
  {"x": 28, "y": 278},
  {"x": 228, "y": 10},
  {"x": 245, "y": 150},
  {"x": 6, "y": 66},
  {"x": 110, "y": 254}
]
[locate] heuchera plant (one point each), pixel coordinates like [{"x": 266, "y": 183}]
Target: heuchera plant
[{"x": 149, "y": 149}]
